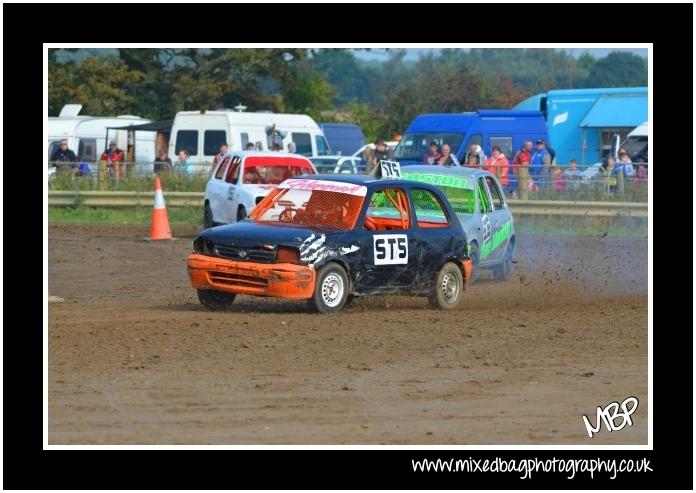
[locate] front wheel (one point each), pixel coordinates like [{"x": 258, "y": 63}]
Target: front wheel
[
  {"x": 331, "y": 290},
  {"x": 448, "y": 288},
  {"x": 207, "y": 217},
  {"x": 241, "y": 213},
  {"x": 215, "y": 300},
  {"x": 501, "y": 272}
]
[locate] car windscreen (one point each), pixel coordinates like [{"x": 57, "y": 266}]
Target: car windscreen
[
  {"x": 459, "y": 189},
  {"x": 414, "y": 146},
  {"x": 314, "y": 203},
  {"x": 264, "y": 170}
]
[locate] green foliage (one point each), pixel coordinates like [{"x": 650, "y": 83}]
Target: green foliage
[
  {"x": 189, "y": 216},
  {"x": 171, "y": 182},
  {"x": 618, "y": 69}
]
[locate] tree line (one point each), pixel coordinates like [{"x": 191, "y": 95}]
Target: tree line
[{"x": 328, "y": 84}]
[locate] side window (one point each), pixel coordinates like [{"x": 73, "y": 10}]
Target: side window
[
  {"x": 245, "y": 140},
  {"x": 498, "y": 202},
  {"x": 475, "y": 139},
  {"x": 187, "y": 140},
  {"x": 212, "y": 140},
  {"x": 322, "y": 146},
  {"x": 388, "y": 210},
  {"x": 221, "y": 169},
  {"x": 505, "y": 144},
  {"x": 429, "y": 211},
  {"x": 233, "y": 172},
  {"x": 87, "y": 150},
  {"x": 303, "y": 143},
  {"x": 483, "y": 197},
  {"x": 462, "y": 200}
]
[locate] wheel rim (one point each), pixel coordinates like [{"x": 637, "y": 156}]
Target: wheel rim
[
  {"x": 449, "y": 287},
  {"x": 332, "y": 290}
]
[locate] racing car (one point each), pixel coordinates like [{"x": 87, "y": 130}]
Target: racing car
[
  {"x": 329, "y": 238},
  {"x": 478, "y": 199}
]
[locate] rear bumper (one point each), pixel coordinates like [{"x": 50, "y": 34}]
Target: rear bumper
[{"x": 278, "y": 280}]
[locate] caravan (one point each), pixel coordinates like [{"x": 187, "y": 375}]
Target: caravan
[
  {"x": 202, "y": 132},
  {"x": 88, "y": 136}
]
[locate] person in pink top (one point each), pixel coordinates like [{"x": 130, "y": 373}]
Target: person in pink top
[{"x": 499, "y": 165}]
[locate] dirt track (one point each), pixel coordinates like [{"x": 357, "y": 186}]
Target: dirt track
[{"x": 133, "y": 358}]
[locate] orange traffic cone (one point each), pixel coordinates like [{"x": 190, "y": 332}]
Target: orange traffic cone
[{"x": 159, "y": 227}]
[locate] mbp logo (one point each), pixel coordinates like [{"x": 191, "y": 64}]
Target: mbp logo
[
  {"x": 391, "y": 249},
  {"x": 609, "y": 414}
]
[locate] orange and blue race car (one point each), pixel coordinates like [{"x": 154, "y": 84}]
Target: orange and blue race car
[{"x": 332, "y": 238}]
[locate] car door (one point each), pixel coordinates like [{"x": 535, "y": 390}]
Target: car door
[
  {"x": 215, "y": 190},
  {"x": 388, "y": 243},
  {"x": 485, "y": 228},
  {"x": 231, "y": 190},
  {"x": 435, "y": 238},
  {"x": 501, "y": 219}
]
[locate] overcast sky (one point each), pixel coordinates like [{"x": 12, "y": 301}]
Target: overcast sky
[{"x": 413, "y": 53}]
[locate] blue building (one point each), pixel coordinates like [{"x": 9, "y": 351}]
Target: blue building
[{"x": 582, "y": 123}]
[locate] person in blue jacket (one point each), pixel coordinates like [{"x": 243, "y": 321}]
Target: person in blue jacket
[{"x": 540, "y": 163}]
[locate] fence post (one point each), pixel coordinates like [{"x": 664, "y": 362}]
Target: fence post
[
  {"x": 522, "y": 181},
  {"x": 101, "y": 178},
  {"x": 620, "y": 180}
]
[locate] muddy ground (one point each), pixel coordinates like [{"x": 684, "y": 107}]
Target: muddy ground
[{"x": 134, "y": 359}]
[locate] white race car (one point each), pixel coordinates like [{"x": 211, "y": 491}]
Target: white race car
[{"x": 243, "y": 179}]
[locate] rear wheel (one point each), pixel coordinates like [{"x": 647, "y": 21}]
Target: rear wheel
[
  {"x": 216, "y": 300},
  {"x": 331, "y": 290},
  {"x": 241, "y": 213},
  {"x": 501, "y": 272},
  {"x": 207, "y": 217},
  {"x": 448, "y": 288}
]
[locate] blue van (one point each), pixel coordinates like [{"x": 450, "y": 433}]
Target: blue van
[
  {"x": 507, "y": 129},
  {"x": 343, "y": 138}
]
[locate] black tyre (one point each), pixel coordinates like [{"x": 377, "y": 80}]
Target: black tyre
[
  {"x": 241, "y": 213},
  {"x": 331, "y": 290},
  {"x": 216, "y": 300},
  {"x": 448, "y": 288},
  {"x": 501, "y": 272},
  {"x": 475, "y": 257},
  {"x": 207, "y": 217}
]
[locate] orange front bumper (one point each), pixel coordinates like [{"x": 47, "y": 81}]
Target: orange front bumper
[{"x": 279, "y": 280}]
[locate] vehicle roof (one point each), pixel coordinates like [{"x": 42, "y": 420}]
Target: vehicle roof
[
  {"x": 245, "y": 154},
  {"x": 67, "y": 126},
  {"x": 446, "y": 170},
  {"x": 368, "y": 181},
  {"x": 251, "y": 118}
]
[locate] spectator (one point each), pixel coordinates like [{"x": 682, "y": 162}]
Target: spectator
[
  {"x": 609, "y": 174},
  {"x": 291, "y": 148},
  {"x": 433, "y": 154},
  {"x": 276, "y": 147},
  {"x": 540, "y": 163},
  {"x": 559, "y": 183},
  {"x": 184, "y": 163},
  {"x": 381, "y": 153},
  {"x": 63, "y": 155},
  {"x": 625, "y": 164},
  {"x": 114, "y": 158},
  {"x": 250, "y": 146},
  {"x": 475, "y": 151},
  {"x": 83, "y": 169},
  {"x": 367, "y": 164},
  {"x": 522, "y": 158},
  {"x": 499, "y": 165},
  {"x": 162, "y": 162},
  {"x": 446, "y": 157},
  {"x": 221, "y": 154},
  {"x": 572, "y": 175}
]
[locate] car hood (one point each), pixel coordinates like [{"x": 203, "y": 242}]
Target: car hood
[{"x": 249, "y": 233}]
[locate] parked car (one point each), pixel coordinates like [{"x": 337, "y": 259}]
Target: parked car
[
  {"x": 330, "y": 238},
  {"x": 480, "y": 204},
  {"x": 337, "y": 164},
  {"x": 242, "y": 180}
]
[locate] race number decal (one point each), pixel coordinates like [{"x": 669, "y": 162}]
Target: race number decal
[
  {"x": 486, "y": 225},
  {"x": 391, "y": 249},
  {"x": 390, "y": 169}
]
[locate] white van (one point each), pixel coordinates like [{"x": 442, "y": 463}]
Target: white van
[
  {"x": 636, "y": 143},
  {"x": 87, "y": 135},
  {"x": 202, "y": 132}
]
